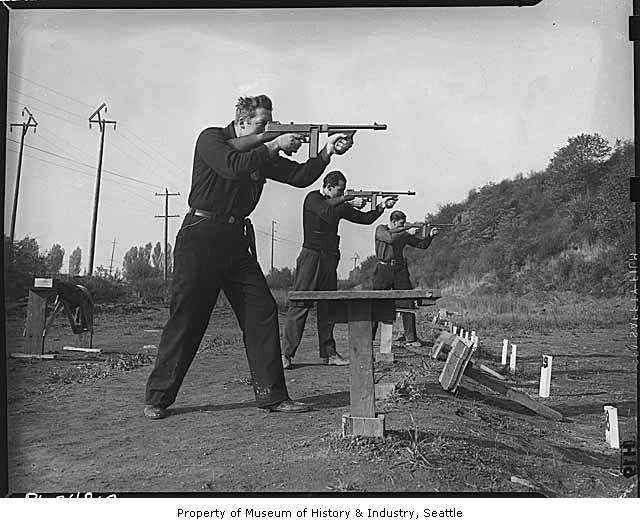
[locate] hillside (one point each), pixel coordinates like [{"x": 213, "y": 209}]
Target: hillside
[{"x": 568, "y": 227}]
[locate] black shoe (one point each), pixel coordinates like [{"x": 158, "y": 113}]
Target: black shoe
[
  {"x": 155, "y": 413},
  {"x": 289, "y": 406}
]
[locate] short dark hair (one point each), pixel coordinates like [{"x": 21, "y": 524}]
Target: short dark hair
[
  {"x": 397, "y": 215},
  {"x": 246, "y": 106},
  {"x": 334, "y": 178}
]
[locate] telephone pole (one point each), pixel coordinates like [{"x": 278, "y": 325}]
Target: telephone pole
[
  {"x": 166, "y": 217},
  {"x": 96, "y": 118},
  {"x": 273, "y": 223},
  {"x": 113, "y": 249},
  {"x": 31, "y": 122}
]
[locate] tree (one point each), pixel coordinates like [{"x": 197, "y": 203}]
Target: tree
[
  {"x": 576, "y": 167},
  {"x": 169, "y": 259},
  {"x": 54, "y": 259},
  {"x": 157, "y": 257},
  {"x": 280, "y": 278},
  {"x": 75, "y": 260},
  {"x": 136, "y": 264}
]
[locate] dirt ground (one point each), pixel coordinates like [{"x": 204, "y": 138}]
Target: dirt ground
[{"x": 76, "y": 423}]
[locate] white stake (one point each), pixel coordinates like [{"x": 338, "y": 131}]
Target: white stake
[
  {"x": 455, "y": 329},
  {"x": 505, "y": 346},
  {"x": 611, "y": 433},
  {"x": 512, "y": 359},
  {"x": 545, "y": 376},
  {"x": 466, "y": 335}
]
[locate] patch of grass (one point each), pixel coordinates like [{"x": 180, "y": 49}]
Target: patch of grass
[{"x": 540, "y": 313}]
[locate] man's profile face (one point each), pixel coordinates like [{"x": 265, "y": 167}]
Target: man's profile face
[
  {"x": 255, "y": 124},
  {"x": 397, "y": 223},
  {"x": 335, "y": 191}
]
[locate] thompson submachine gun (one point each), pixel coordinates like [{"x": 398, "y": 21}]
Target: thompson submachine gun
[
  {"x": 372, "y": 196},
  {"x": 312, "y": 132},
  {"x": 426, "y": 227}
]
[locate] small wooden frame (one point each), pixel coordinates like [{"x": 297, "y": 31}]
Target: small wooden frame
[{"x": 359, "y": 308}]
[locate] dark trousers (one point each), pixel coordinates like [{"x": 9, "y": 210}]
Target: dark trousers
[
  {"x": 210, "y": 257},
  {"x": 315, "y": 270},
  {"x": 396, "y": 277}
]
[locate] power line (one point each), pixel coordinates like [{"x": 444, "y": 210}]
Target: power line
[
  {"x": 131, "y": 189},
  {"x": 89, "y": 165},
  {"x": 50, "y": 89},
  {"x": 46, "y": 102},
  {"x": 77, "y": 124}
]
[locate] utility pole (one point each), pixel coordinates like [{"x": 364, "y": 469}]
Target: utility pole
[
  {"x": 355, "y": 259},
  {"x": 96, "y": 118},
  {"x": 31, "y": 122},
  {"x": 273, "y": 223},
  {"x": 166, "y": 217},
  {"x": 113, "y": 249}
]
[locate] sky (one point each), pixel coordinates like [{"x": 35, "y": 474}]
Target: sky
[{"x": 470, "y": 96}]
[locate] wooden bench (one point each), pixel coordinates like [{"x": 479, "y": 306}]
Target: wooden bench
[{"x": 359, "y": 308}]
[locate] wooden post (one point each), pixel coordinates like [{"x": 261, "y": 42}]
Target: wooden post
[
  {"x": 386, "y": 343},
  {"x": 611, "y": 433},
  {"x": 361, "y": 359},
  {"x": 505, "y": 346},
  {"x": 36, "y": 311},
  {"x": 512, "y": 360},
  {"x": 545, "y": 376}
]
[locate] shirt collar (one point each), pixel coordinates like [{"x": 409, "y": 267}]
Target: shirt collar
[{"x": 230, "y": 130}]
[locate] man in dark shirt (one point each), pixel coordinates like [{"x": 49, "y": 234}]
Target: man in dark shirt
[
  {"x": 317, "y": 264},
  {"x": 391, "y": 271},
  {"x": 212, "y": 252}
]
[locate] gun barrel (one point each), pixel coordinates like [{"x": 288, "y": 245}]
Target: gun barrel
[
  {"x": 375, "y": 126},
  {"x": 307, "y": 127},
  {"x": 379, "y": 193}
]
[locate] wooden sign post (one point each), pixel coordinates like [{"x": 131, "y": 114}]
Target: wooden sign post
[
  {"x": 611, "y": 432},
  {"x": 512, "y": 360},
  {"x": 505, "y": 346},
  {"x": 545, "y": 376}
]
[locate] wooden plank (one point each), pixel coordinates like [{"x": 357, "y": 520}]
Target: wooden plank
[
  {"x": 512, "y": 394},
  {"x": 81, "y": 349},
  {"x": 36, "y": 308},
  {"x": 36, "y": 356},
  {"x": 486, "y": 369},
  {"x": 361, "y": 360},
  {"x": 302, "y": 296},
  {"x": 455, "y": 366}
]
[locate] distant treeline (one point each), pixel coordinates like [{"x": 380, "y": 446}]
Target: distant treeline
[{"x": 568, "y": 227}]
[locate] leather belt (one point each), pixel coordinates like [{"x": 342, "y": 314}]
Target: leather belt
[{"x": 210, "y": 214}]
